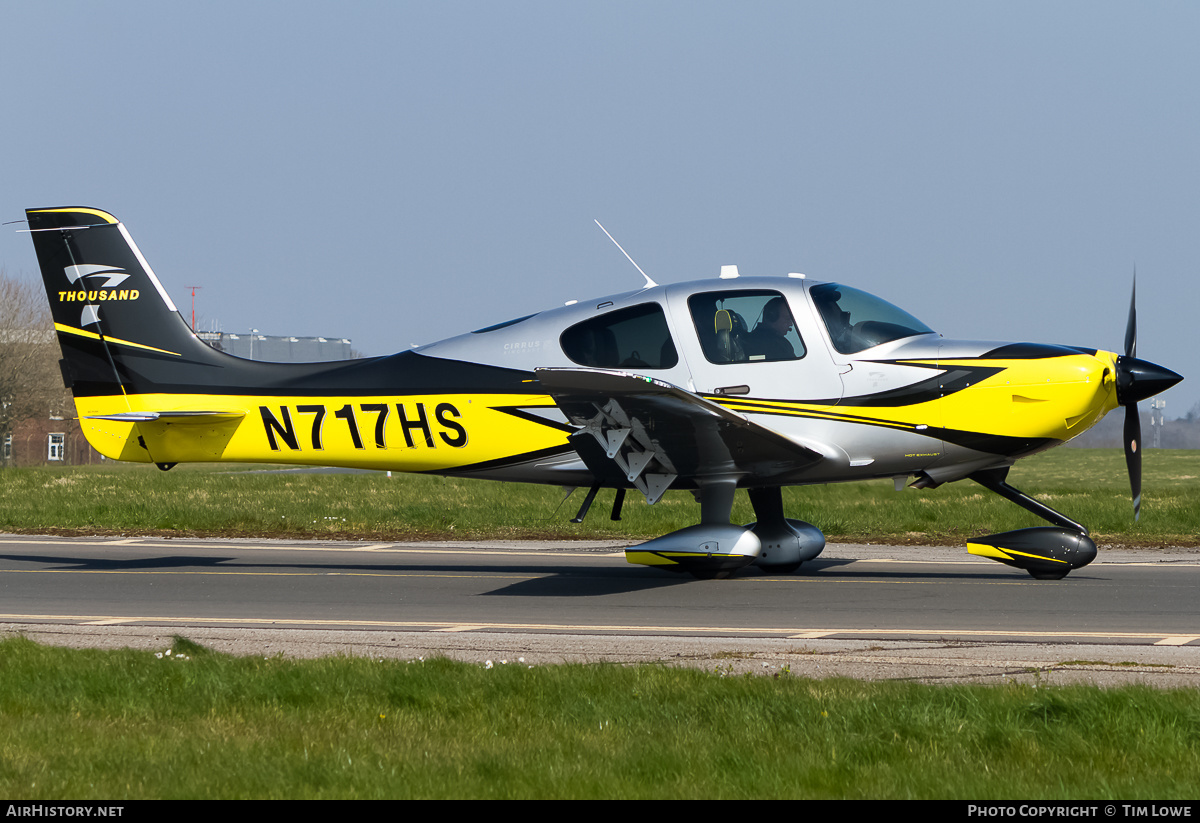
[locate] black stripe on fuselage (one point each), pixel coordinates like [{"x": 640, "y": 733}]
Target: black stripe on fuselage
[
  {"x": 404, "y": 373},
  {"x": 1033, "y": 351},
  {"x": 950, "y": 380},
  {"x": 953, "y": 379},
  {"x": 505, "y": 462},
  {"x": 999, "y": 444},
  {"x": 521, "y": 413}
]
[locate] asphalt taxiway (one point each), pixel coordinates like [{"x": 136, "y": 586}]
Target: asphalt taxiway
[{"x": 881, "y": 612}]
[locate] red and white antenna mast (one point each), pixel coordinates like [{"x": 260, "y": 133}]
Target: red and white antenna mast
[{"x": 193, "y": 288}]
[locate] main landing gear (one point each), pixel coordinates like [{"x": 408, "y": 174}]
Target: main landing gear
[{"x": 716, "y": 548}]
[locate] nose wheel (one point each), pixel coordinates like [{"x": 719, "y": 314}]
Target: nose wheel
[{"x": 1046, "y": 553}]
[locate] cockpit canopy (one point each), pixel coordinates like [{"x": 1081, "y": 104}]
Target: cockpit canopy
[
  {"x": 857, "y": 320},
  {"x": 743, "y": 321}
]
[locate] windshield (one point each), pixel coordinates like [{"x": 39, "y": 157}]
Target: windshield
[{"x": 857, "y": 320}]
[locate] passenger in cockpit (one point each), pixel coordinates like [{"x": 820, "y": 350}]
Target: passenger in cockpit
[{"x": 768, "y": 341}]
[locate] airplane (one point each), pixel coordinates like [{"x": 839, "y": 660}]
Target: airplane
[{"x": 711, "y": 386}]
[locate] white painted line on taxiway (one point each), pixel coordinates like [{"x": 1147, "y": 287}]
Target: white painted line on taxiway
[{"x": 1158, "y": 638}]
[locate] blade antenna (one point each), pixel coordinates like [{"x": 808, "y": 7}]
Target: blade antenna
[{"x": 649, "y": 283}]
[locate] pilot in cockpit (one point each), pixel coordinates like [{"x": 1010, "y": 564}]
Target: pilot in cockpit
[{"x": 837, "y": 320}]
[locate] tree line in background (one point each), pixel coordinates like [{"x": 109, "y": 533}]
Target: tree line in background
[{"x": 1181, "y": 433}]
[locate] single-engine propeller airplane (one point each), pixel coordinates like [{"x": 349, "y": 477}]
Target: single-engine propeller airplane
[{"x": 711, "y": 386}]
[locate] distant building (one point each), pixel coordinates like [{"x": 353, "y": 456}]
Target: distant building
[
  {"x": 37, "y": 416},
  {"x": 52, "y": 441},
  {"x": 274, "y": 349}
]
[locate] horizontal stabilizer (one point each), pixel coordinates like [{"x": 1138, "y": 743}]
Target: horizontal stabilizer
[{"x": 170, "y": 416}]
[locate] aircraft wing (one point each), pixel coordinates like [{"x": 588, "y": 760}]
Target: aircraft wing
[{"x": 647, "y": 432}]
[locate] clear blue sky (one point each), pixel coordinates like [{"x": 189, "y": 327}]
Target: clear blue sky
[{"x": 398, "y": 172}]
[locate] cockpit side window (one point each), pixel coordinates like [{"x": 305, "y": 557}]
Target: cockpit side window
[
  {"x": 857, "y": 321},
  {"x": 745, "y": 326},
  {"x": 633, "y": 338}
]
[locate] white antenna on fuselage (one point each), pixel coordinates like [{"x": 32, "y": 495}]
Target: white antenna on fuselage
[{"x": 649, "y": 283}]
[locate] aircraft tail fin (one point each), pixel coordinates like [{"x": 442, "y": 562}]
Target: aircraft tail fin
[{"x": 119, "y": 330}]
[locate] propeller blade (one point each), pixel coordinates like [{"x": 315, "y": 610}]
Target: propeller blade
[
  {"x": 1131, "y": 324},
  {"x": 1137, "y": 380},
  {"x": 1128, "y": 397},
  {"x": 1133, "y": 455}
]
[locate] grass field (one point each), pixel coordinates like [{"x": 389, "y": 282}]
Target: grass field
[
  {"x": 1088, "y": 485},
  {"x": 115, "y": 725}
]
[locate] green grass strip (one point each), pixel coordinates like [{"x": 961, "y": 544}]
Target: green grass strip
[
  {"x": 116, "y": 725},
  {"x": 1089, "y": 485}
]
